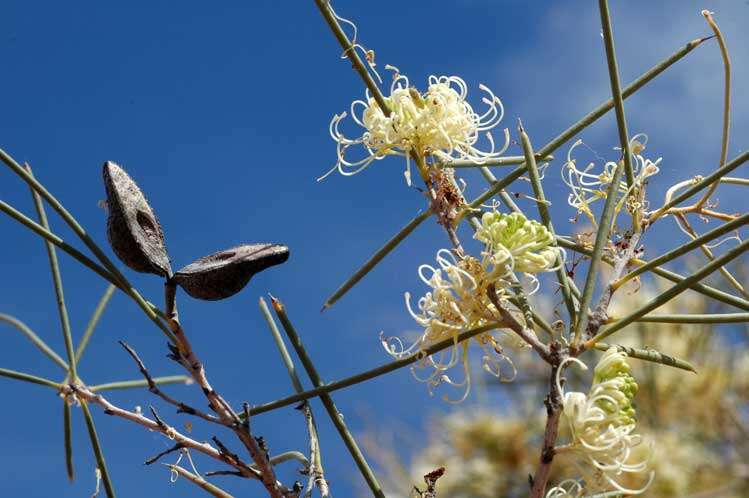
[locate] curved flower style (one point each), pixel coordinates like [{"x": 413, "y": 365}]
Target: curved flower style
[
  {"x": 457, "y": 302},
  {"x": 566, "y": 489},
  {"x": 602, "y": 424},
  {"x": 439, "y": 122},
  {"x": 516, "y": 243},
  {"x": 587, "y": 186}
]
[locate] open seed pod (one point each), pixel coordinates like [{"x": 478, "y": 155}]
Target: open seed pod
[
  {"x": 225, "y": 273},
  {"x": 133, "y": 230}
]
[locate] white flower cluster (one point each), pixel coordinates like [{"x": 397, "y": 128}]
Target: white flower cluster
[
  {"x": 515, "y": 243},
  {"x": 459, "y": 299},
  {"x": 602, "y": 425},
  {"x": 457, "y": 302},
  {"x": 439, "y": 122},
  {"x": 587, "y": 186}
]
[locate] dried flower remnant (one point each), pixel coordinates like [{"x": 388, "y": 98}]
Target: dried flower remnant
[
  {"x": 225, "y": 273},
  {"x": 457, "y": 302},
  {"x": 587, "y": 186},
  {"x": 439, "y": 123},
  {"x": 602, "y": 425},
  {"x": 133, "y": 229}
]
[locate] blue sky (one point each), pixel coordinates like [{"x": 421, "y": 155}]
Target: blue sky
[{"x": 221, "y": 115}]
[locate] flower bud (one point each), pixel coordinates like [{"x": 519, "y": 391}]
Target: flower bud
[
  {"x": 133, "y": 230},
  {"x": 225, "y": 273}
]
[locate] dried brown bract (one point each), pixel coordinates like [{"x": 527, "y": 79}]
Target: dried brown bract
[
  {"x": 225, "y": 273},
  {"x": 133, "y": 230}
]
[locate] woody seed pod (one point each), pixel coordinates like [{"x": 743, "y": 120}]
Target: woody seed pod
[
  {"x": 225, "y": 273},
  {"x": 133, "y": 230}
]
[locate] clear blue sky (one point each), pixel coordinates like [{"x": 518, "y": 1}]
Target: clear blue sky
[{"x": 220, "y": 112}]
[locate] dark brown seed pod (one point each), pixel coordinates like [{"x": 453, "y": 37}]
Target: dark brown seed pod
[
  {"x": 133, "y": 230},
  {"x": 225, "y": 273}
]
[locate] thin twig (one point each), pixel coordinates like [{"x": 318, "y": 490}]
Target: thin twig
[
  {"x": 210, "y": 488},
  {"x": 670, "y": 293},
  {"x": 183, "y": 353},
  {"x": 154, "y": 388},
  {"x": 374, "y": 372},
  {"x": 327, "y": 401},
  {"x": 314, "y": 465},
  {"x": 650, "y": 355},
  {"x": 543, "y": 211},
  {"x": 62, "y": 309},
  {"x": 602, "y": 239},
  {"x": 510, "y": 321},
  {"x": 85, "y": 394},
  {"x": 701, "y": 288},
  {"x": 101, "y": 463},
  {"x": 87, "y": 240},
  {"x": 726, "y": 101},
  {"x": 94, "y": 321}
]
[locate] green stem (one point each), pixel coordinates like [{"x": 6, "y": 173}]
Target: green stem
[
  {"x": 701, "y": 288},
  {"x": 496, "y": 161},
  {"x": 373, "y": 373},
  {"x": 98, "y": 454},
  {"x": 94, "y": 321},
  {"x": 87, "y": 240},
  {"x": 650, "y": 355},
  {"x": 35, "y": 339},
  {"x": 543, "y": 211},
  {"x": 602, "y": 239},
  {"x": 683, "y": 249},
  {"x": 285, "y": 356},
  {"x": 694, "y": 318},
  {"x": 672, "y": 292},
  {"x": 83, "y": 259},
  {"x": 68, "y": 436},
  {"x": 350, "y": 52},
  {"x": 327, "y": 401},
  {"x": 54, "y": 265},
  {"x": 33, "y": 379},
  {"x": 616, "y": 89},
  {"x": 701, "y": 184},
  {"x": 206, "y": 486},
  {"x": 376, "y": 258},
  {"x": 726, "y": 100}
]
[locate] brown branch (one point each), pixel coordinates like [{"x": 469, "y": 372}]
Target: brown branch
[
  {"x": 154, "y": 388},
  {"x": 525, "y": 333},
  {"x": 185, "y": 355},
  {"x": 164, "y": 453},
  {"x": 600, "y": 314},
  {"x": 554, "y": 407},
  {"x": 431, "y": 481},
  {"x": 84, "y": 394}
]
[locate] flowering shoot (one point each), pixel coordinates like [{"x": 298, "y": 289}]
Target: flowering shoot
[
  {"x": 457, "y": 302},
  {"x": 602, "y": 425},
  {"x": 439, "y": 123}
]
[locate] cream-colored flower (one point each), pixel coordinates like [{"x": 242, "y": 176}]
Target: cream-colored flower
[
  {"x": 439, "y": 122},
  {"x": 514, "y": 243},
  {"x": 602, "y": 425},
  {"x": 587, "y": 186},
  {"x": 457, "y": 302}
]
